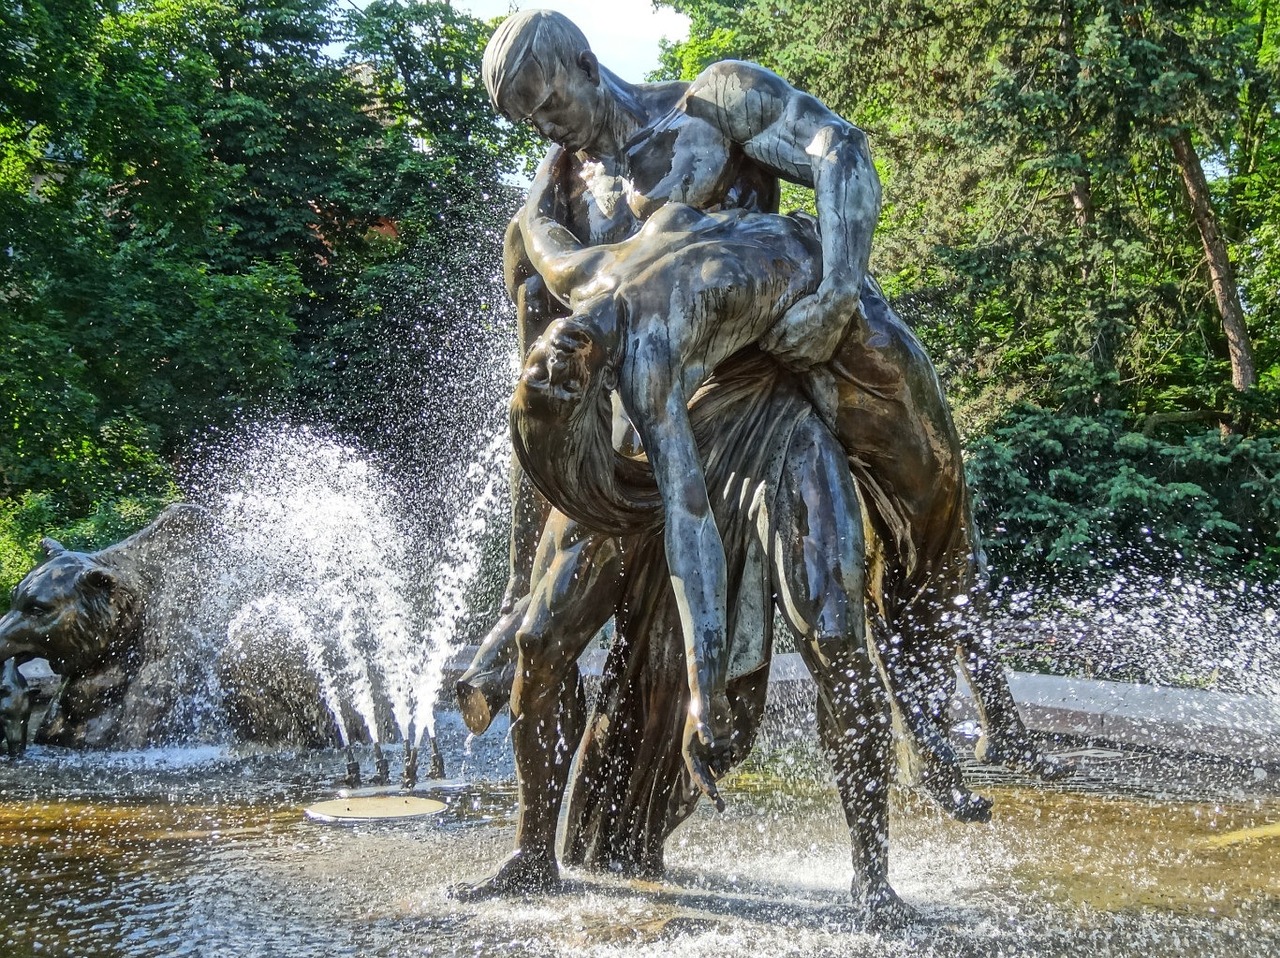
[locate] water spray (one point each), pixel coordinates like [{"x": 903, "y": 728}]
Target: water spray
[
  {"x": 410, "y": 778},
  {"x": 353, "y": 770}
]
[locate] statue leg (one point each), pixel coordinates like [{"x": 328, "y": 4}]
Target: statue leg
[
  {"x": 534, "y": 310},
  {"x": 819, "y": 567},
  {"x": 15, "y": 708},
  {"x": 484, "y": 689},
  {"x": 569, "y": 603},
  {"x": 892, "y": 419},
  {"x": 15, "y": 736},
  {"x": 528, "y": 517},
  {"x": 921, "y": 672},
  {"x": 1005, "y": 739}
]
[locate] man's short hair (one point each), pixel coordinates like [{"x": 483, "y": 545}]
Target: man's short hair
[{"x": 542, "y": 37}]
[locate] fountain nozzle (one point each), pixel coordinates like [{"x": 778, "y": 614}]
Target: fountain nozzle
[
  {"x": 410, "y": 778},
  {"x": 382, "y": 767},
  {"x": 437, "y": 760},
  {"x": 353, "y": 769}
]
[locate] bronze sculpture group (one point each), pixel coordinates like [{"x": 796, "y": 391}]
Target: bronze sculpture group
[
  {"x": 720, "y": 423},
  {"x": 719, "y": 416}
]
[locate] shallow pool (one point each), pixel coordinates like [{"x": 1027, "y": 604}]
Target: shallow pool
[{"x": 206, "y": 853}]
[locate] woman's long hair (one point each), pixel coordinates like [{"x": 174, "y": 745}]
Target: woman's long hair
[{"x": 566, "y": 449}]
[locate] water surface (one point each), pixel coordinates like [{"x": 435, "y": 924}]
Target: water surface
[{"x": 206, "y": 853}]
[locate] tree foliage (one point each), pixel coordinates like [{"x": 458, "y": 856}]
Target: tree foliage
[
  {"x": 200, "y": 204},
  {"x": 215, "y": 208}
]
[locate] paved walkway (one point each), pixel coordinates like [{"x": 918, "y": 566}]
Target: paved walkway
[{"x": 1244, "y": 728}]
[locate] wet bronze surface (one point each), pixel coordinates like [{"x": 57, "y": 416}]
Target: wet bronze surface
[{"x": 662, "y": 304}]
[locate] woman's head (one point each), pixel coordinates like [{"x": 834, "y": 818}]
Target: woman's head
[
  {"x": 562, "y": 428},
  {"x": 565, "y": 368}
]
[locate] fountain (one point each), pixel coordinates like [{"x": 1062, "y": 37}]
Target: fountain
[
  {"x": 310, "y": 535},
  {"x": 187, "y": 850},
  {"x": 277, "y": 613},
  {"x": 202, "y": 851},
  {"x": 314, "y": 625},
  {"x": 204, "y": 848}
]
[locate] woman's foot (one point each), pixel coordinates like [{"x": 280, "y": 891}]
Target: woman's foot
[{"x": 946, "y": 786}]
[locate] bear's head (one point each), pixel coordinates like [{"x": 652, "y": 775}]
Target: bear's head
[{"x": 72, "y": 610}]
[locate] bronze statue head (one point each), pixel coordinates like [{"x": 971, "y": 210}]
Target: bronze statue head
[
  {"x": 566, "y": 368},
  {"x": 72, "y": 610},
  {"x": 538, "y": 67},
  {"x": 561, "y": 413}
]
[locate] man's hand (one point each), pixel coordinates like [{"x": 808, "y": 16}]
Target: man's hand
[{"x": 811, "y": 330}]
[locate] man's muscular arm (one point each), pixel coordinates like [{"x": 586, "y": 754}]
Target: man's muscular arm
[
  {"x": 544, "y": 265},
  {"x": 795, "y": 136},
  {"x": 534, "y": 311},
  {"x": 570, "y": 268}
]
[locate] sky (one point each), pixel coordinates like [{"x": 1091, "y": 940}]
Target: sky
[{"x": 623, "y": 33}]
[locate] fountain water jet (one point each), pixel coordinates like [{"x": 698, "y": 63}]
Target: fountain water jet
[
  {"x": 454, "y": 577},
  {"x": 318, "y": 552}
]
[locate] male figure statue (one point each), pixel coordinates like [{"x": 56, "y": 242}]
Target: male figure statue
[{"x": 720, "y": 142}]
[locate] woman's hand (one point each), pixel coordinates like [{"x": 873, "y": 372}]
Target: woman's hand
[{"x": 706, "y": 747}]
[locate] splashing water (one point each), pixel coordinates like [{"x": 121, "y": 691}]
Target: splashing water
[
  {"x": 318, "y": 562},
  {"x": 1171, "y": 629},
  {"x": 258, "y": 618},
  {"x": 453, "y": 578}
]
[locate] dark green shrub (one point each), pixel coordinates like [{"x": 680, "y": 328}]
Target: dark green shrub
[{"x": 1066, "y": 497}]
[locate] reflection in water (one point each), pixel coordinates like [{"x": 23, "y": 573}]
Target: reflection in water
[{"x": 207, "y": 854}]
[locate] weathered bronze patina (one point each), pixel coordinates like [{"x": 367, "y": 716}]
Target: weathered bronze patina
[
  {"x": 88, "y": 615},
  {"x": 652, "y": 226},
  {"x": 15, "y": 708}
]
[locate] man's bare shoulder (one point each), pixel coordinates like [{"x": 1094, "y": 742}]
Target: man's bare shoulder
[
  {"x": 745, "y": 100},
  {"x": 740, "y": 99},
  {"x": 739, "y": 75}
]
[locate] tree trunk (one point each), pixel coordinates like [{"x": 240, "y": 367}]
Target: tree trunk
[
  {"x": 1081, "y": 183},
  {"x": 1082, "y": 201},
  {"x": 1244, "y": 375}
]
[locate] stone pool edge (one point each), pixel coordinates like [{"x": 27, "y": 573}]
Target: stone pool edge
[{"x": 1240, "y": 727}]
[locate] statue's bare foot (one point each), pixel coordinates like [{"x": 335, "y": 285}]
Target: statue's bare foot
[
  {"x": 947, "y": 788},
  {"x": 1021, "y": 755},
  {"x": 519, "y": 875},
  {"x": 476, "y": 708},
  {"x": 881, "y": 909}
]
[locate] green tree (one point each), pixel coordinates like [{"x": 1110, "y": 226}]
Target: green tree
[
  {"x": 114, "y": 310},
  {"x": 417, "y": 317},
  {"x": 174, "y": 178},
  {"x": 1037, "y": 162},
  {"x": 1075, "y": 199}
]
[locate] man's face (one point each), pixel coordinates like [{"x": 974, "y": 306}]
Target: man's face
[{"x": 566, "y": 108}]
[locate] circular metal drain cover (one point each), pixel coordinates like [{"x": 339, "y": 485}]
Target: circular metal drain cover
[{"x": 370, "y": 808}]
